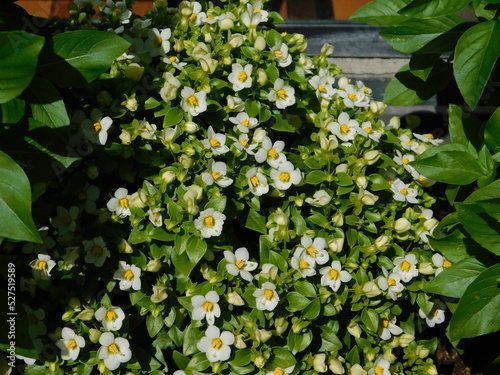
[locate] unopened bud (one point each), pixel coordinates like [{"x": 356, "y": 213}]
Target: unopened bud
[
  {"x": 134, "y": 72},
  {"x": 260, "y": 43},
  {"x": 343, "y": 82},
  {"x": 153, "y": 265},
  {"x": 235, "y": 299},
  {"x": 281, "y": 325},
  {"x": 236, "y": 40},
  {"x": 261, "y": 77},
  {"x": 326, "y": 50},
  {"x": 368, "y": 198},
  {"x": 382, "y": 243},
  {"x": 319, "y": 362},
  {"x": 335, "y": 366},
  {"x": 341, "y": 168},
  {"x": 354, "y": 329},
  {"x": 425, "y": 268},
  {"x": 402, "y": 225},
  {"x": 239, "y": 342},
  {"x": 371, "y": 289},
  {"x": 338, "y": 219},
  {"x": 371, "y": 157},
  {"x": 356, "y": 369},
  {"x": 377, "y": 107},
  {"x": 336, "y": 244},
  {"x": 159, "y": 294},
  {"x": 190, "y": 127},
  {"x": 86, "y": 315},
  {"x": 395, "y": 122},
  {"x": 405, "y": 339}
]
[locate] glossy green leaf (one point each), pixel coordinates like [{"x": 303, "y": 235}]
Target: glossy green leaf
[
  {"x": 195, "y": 248},
  {"x": 47, "y": 106},
  {"x": 15, "y": 202},
  {"x": 312, "y": 310},
  {"x": 456, "y": 246},
  {"x": 433, "y": 8},
  {"x": 481, "y": 220},
  {"x": 154, "y": 324},
  {"x": 316, "y": 177},
  {"x": 273, "y": 38},
  {"x": 465, "y": 128},
  {"x": 451, "y": 164},
  {"x": 173, "y": 117},
  {"x": 492, "y": 131},
  {"x": 475, "y": 56},
  {"x": 298, "y": 342},
  {"x": 19, "y": 52},
  {"x": 371, "y": 319},
  {"x": 381, "y": 12},
  {"x": 413, "y": 34},
  {"x": 478, "y": 312},
  {"x": 82, "y": 54},
  {"x": 296, "y": 301},
  {"x": 330, "y": 341},
  {"x": 12, "y": 111},
  {"x": 283, "y": 358},
  {"x": 453, "y": 281},
  {"x": 256, "y": 222}
]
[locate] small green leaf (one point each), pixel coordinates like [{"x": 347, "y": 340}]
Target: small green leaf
[
  {"x": 242, "y": 357},
  {"x": 256, "y": 222},
  {"x": 283, "y": 358},
  {"x": 476, "y": 53},
  {"x": 312, "y": 310},
  {"x": 195, "y": 248},
  {"x": 173, "y": 117},
  {"x": 218, "y": 204},
  {"x": 273, "y": 38},
  {"x": 453, "y": 281},
  {"x": 154, "y": 324},
  {"x": 316, "y": 177},
  {"x": 296, "y": 301},
  {"x": 19, "y": 52},
  {"x": 381, "y": 12},
  {"x": 371, "y": 319},
  {"x": 478, "y": 312}
]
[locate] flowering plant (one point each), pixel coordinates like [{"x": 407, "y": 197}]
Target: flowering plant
[{"x": 239, "y": 209}]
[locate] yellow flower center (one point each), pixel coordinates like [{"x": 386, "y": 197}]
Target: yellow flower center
[
  {"x": 366, "y": 90},
  {"x": 405, "y": 266},
  {"x": 446, "y": 264},
  {"x": 173, "y": 58},
  {"x": 334, "y": 274},
  {"x": 192, "y": 17},
  {"x": 158, "y": 41},
  {"x": 268, "y": 294},
  {"x": 97, "y": 126},
  {"x": 282, "y": 94},
  {"x": 303, "y": 264},
  {"x": 256, "y": 10},
  {"x": 216, "y": 175},
  {"x": 42, "y": 265},
  {"x": 210, "y": 18},
  {"x": 409, "y": 143},
  {"x": 284, "y": 177},
  {"x": 385, "y": 323},
  {"x": 279, "y": 371},
  {"x": 422, "y": 179},
  {"x": 113, "y": 348},
  {"x": 128, "y": 275},
  {"x": 96, "y": 250},
  {"x": 192, "y": 101},
  {"x": 209, "y": 221},
  {"x": 255, "y": 181},
  {"x": 321, "y": 88},
  {"x": 216, "y": 343},
  {"x": 240, "y": 263},
  {"x": 352, "y": 96},
  {"x": 208, "y": 306},
  {"x": 123, "y": 202},
  {"x": 110, "y": 315},
  {"x": 278, "y": 53},
  {"x": 344, "y": 129},
  {"x": 244, "y": 142},
  {"x": 405, "y": 160},
  {"x": 272, "y": 153},
  {"x": 311, "y": 251},
  {"x": 214, "y": 142},
  {"x": 435, "y": 312},
  {"x": 429, "y": 136},
  {"x": 242, "y": 76},
  {"x": 245, "y": 122},
  {"x": 71, "y": 344},
  {"x": 368, "y": 129},
  {"x": 404, "y": 191},
  {"x": 379, "y": 370},
  {"x": 391, "y": 281}
]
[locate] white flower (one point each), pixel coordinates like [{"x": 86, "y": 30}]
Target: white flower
[
  {"x": 154, "y": 216},
  {"x": 210, "y": 19},
  {"x": 241, "y": 77},
  {"x": 389, "y": 328},
  {"x": 169, "y": 90},
  {"x": 406, "y": 267},
  {"x": 314, "y": 248},
  {"x": 344, "y": 128},
  {"x": 235, "y": 104},
  {"x": 206, "y": 307},
  {"x": 334, "y": 276},
  {"x": 195, "y": 9},
  {"x": 279, "y": 53},
  {"x": 119, "y": 8},
  {"x": 70, "y": 344},
  {"x": 273, "y": 370},
  {"x": 216, "y": 174},
  {"x": 97, "y": 251},
  {"x": 266, "y": 298},
  {"x": 257, "y": 7},
  {"x": 120, "y": 203},
  {"x": 216, "y": 344},
  {"x": 114, "y": 350},
  {"x": 111, "y": 319},
  {"x": 283, "y": 95},
  {"x": 440, "y": 262},
  {"x": 158, "y": 41},
  {"x": 391, "y": 283},
  {"x": 320, "y": 199},
  {"x": 366, "y": 130},
  {"x": 353, "y": 97},
  {"x": 42, "y": 266},
  {"x": 380, "y": 367},
  {"x": 404, "y": 193},
  {"x": 257, "y": 182},
  {"x": 210, "y": 223},
  {"x": 216, "y": 142},
  {"x": 174, "y": 61},
  {"x": 323, "y": 86},
  {"x": 239, "y": 263},
  {"x": 251, "y": 19},
  {"x": 404, "y": 160},
  {"x": 303, "y": 263},
  {"x": 193, "y": 102},
  {"x": 436, "y": 316},
  {"x": 129, "y": 276},
  {"x": 272, "y": 153},
  {"x": 285, "y": 175},
  {"x": 243, "y": 144},
  {"x": 96, "y": 128},
  {"x": 428, "y": 138},
  {"x": 244, "y": 122},
  {"x": 407, "y": 143},
  {"x": 147, "y": 130}
]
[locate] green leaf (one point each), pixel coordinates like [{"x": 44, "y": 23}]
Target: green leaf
[
  {"x": 381, "y": 12},
  {"x": 312, "y": 310},
  {"x": 15, "y": 203},
  {"x": 195, "y": 248},
  {"x": 306, "y": 288},
  {"x": 330, "y": 341},
  {"x": 256, "y": 222},
  {"x": 180, "y": 360},
  {"x": 154, "y": 324},
  {"x": 273, "y": 37},
  {"x": 47, "y": 107},
  {"x": 453, "y": 281},
  {"x": 316, "y": 177},
  {"x": 252, "y": 107},
  {"x": 296, "y": 301},
  {"x": 283, "y": 358},
  {"x": 465, "y": 128},
  {"x": 478, "y": 312},
  {"x": 456, "y": 246},
  {"x": 370, "y": 319},
  {"x": 19, "y": 52},
  {"x": 82, "y": 54},
  {"x": 451, "y": 164},
  {"x": 481, "y": 221},
  {"x": 476, "y": 53},
  {"x": 433, "y": 8},
  {"x": 298, "y": 342},
  {"x": 12, "y": 111},
  {"x": 173, "y": 117},
  {"x": 242, "y": 357},
  {"x": 218, "y": 204},
  {"x": 281, "y": 124},
  {"x": 492, "y": 131},
  {"x": 413, "y": 34}
]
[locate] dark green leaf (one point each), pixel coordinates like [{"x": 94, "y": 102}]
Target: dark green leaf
[
  {"x": 465, "y": 128},
  {"x": 273, "y": 37},
  {"x": 312, "y": 310},
  {"x": 478, "y": 312},
  {"x": 283, "y": 358},
  {"x": 492, "y": 131},
  {"x": 47, "y": 107},
  {"x": 433, "y": 8},
  {"x": 154, "y": 324},
  {"x": 256, "y": 222},
  {"x": 481, "y": 221},
  {"x": 381, "y": 12},
  {"x": 15, "y": 202},
  {"x": 12, "y": 111},
  {"x": 456, "y": 246},
  {"x": 19, "y": 52},
  {"x": 475, "y": 56},
  {"x": 296, "y": 301}
]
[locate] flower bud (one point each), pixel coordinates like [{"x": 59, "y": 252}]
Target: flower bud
[
  {"x": 371, "y": 289},
  {"x": 75, "y": 304},
  {"x": 402, "y": 225},
  {"x": 67, "y": 316},
  {"x": 281, "y": 219},
  {"x": 227, "y": 23},
  {"x": 208, "y": 64},
  {"x": 239, "y": 342},
  {"x": 382, "y": 243},
  {"x": 326, "y": 50},
  {"x": 168, "y": 177},
  {"x": 200, "y": 51},
  {"x": 421, "y": 351},
  {"x": 343, "y": 82},
  {"x": 338, "y": 219},
  {"x": 138, "y": 199},
  {"x": 235, "y": 104},
  {"x": 361, "y": 182},
  {"x": 281, "y": 325},
  {"x": 153, "y": 265},
  {"x": 368, "y": 198},
  {"x": 125, "y": 137},
  {"x": 259, "y": 361},
  {"x": 354, "y": 329},
  {"x": 159, "y": 294},
  {"x": 131, "y": 104},
  {"x": 356, "y": 369},
  {"x": 336, "y": 244},
  {"x": 430, "y": 224},
  {"x": 335, "y": 366},
  {"x": 269, "y": 270},
  {"x": 395, "y": 122},
  {"x": 186, "y": 161},
  {"x": 341, "y": 168},
  {"x": 319, "y": 362},
  {"x": 235, "y": 299},
  {"x": 404, "y": 340},
  {"x": 190, "y": 127},
  {"x": 261, "y": 77},
  {"x": 425, "y": 268},
  {"x": 377, "y": 107},
  {"x": 134, "y": 72},
  {"x": 371, "y": 157},
  {"x": 259, "y": 135},
  {"x": 389, "y": 356},
  {"x": 430, "y": 369},
  {"x": 262, "y": 335},
  {"x": 236, "y": 40},
  {"x": 320, "y": 199},
  {"x": 94, "y": 335},
  {"x": 260, "y": 43}
]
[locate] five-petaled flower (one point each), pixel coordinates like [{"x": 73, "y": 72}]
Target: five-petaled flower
[
  {"x": 334, "y": 276},
  {"x": 193, "y": 102},
  {"x": 70, "y": 344},
  {"x": 111, "y": 318},
  {"x": 266, "y": 297},
  {"x": 206, "y": 307},
  {"x": 114, "y": 350},
  {"x": 282, "y": 95},
  {"x": 129, "y": 276},
  {"x": 210, "y": 223},
  {"x": 239, "y": 264},
  {"x": 96, "y": 128},
  {"x": 42, "y": 266},
  {"x": 241, "y": 76},
  {"x": 120, "y": 203},
  {"x": 216, "y": 344}
]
